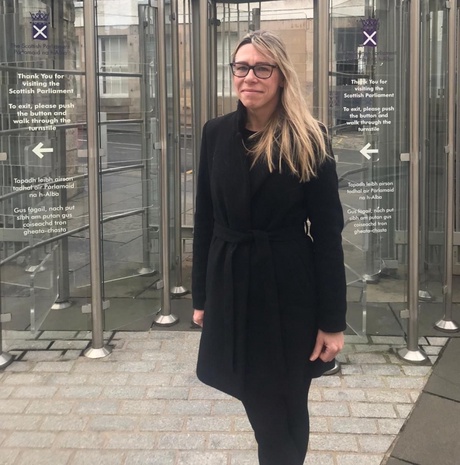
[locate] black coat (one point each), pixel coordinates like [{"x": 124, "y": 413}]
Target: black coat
[{"x": 265, "y": 284}]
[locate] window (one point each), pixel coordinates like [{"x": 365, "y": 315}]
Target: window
[
  {"x": 226, "y": 43},
  {"x": 113, "y": 58}
]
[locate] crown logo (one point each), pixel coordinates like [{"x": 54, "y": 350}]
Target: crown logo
[
  {"x": 370, "y": 24},
  {"x": 40, "y": 16}
]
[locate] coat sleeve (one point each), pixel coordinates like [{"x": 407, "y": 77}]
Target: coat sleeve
[
  {"x": 326, "y": 223},
  {"x": 203, "y": 226}
]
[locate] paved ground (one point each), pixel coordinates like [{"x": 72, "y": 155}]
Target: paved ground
[
  {"x": 143, "y": 405},
  {"x": 430, "y": 436}
]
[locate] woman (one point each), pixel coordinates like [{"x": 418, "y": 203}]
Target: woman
[{"x": 268, "y": 280}]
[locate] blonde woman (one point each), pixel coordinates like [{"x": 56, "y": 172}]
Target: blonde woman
[{"x": 268, "y": 273}]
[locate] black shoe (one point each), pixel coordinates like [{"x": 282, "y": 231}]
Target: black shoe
[{"x": 193, "y": 325}]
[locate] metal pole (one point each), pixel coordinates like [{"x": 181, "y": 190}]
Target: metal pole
[
  {"x": 423, "y": 293},
  {"x": 146, "y": 269},
  {"x": 446, "y": 323},
  {"x": 164, "y": 317},
  {"x": 370, "y": 276},
  {"x": 97, "y": 348},
  {"x": 255, "y": 19},
  {"x": 457, "y": 149},
  {"x": 178, "y": 289},
  {"x": 204, "y": 71},
  {"x": 200, "y": 51},
  {"x": 5, "y": 358},
  {"x": 197, "y": 120},
  {"x": 315, "y": 58},
  {"x": 321, "y": 75},
  {"x": 212, "y": 62},
  {"x": 63, "y": 298},
  {"x": 412, "y": 352},
  {"x": 321, "y": 55}
]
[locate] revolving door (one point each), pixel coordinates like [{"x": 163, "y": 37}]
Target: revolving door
[
  {"x": 365, "y": 96},
  {"x": 47, "y": 280}
]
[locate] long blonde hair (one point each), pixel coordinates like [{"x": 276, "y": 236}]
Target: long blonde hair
[{"x": 291, "y": 132}]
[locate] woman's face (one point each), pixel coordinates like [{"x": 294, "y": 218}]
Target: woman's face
[{"x": 259, "y": 96}]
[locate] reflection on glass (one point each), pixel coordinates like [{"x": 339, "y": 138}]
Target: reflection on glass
[
  {"x": 369, "y": 111},
  {"x": 43, "y": 200},
  {"x": 43, "y": 163}
]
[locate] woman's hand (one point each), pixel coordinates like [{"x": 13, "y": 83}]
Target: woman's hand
[
  {"x": 327, "y": 346},
  {"x": 198, "y": 316}
]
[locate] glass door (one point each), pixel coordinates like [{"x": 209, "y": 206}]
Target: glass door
[
  {"x": 43, "y": 207},
  {"x": 434, "y": 114},
  {"x": 369, "y": 105},
  {"x": 369, "y": 109},
  {"x": 44, "y": 232},
  {"x": 370, "y": 126},
  {"x": 127, "y": 61},
  {"x": 369, "y": 130}
]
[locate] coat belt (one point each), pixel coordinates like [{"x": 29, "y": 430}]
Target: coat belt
[{"x": 263, "y": 255}]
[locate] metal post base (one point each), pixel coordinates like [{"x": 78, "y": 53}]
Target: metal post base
[
  {"x": 333, "y": 370},
  {"x": 166, "y": 320},
  {"x": 448, "y": 326},
  {"x": 425, "y": 296},
  {"x": 90, "y": 352},
  {"x": 145, "y": 271},
  {"x": 413, "y": 356},
  {"x": 371, "y": 279},
  {"x": 35, "y": 268},
  {"x": 179, "y": 291},
  {"x": 5, "y": 359},
  {"x": 61, "y": 305}
]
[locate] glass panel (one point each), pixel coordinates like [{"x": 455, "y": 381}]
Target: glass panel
[
  {"x": 113, "y": 58},
  {"x": 44, "y": 288},
  {"x": 433, "y": 157},
  {"x": 369, "y": 109},
  {"x": 369, "y": 60},
  {"x": 457, "y": 183},
  {"x": 187, "y": 143},
  {"x": 293, "y": 23},
  {"x": 127, "y": 37},
  {"x": 43, "y": 164},
  {"x": 43, "y": 209}
]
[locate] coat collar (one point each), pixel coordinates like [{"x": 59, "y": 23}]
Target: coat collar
[
  {"x": 259, "y": 173},
  {"x": 241, "y": 117}
]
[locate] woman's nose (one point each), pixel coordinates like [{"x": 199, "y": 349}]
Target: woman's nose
[{"x": 251, "y": 76}]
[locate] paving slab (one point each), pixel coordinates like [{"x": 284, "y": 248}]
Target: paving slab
[
  {"x": 445, "y": 379},
  {"x": 431, "y": 435},
  {"x": 380, "y": 319}
]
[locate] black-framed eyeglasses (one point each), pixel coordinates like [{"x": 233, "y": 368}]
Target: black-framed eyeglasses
[{"x": 262, "y": 71}]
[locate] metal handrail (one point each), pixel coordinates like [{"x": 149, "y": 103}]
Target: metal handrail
[
  {"x": 73, "y": 125},
  {"x": 68, "y": 71},
  {"x": 5, "y": 132},
  {"x": 4, "y": 67}
]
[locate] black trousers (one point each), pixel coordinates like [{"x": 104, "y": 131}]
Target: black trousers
[
  {"x": 275, "y": 399},
  {"x": 280, "y": 421}
]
